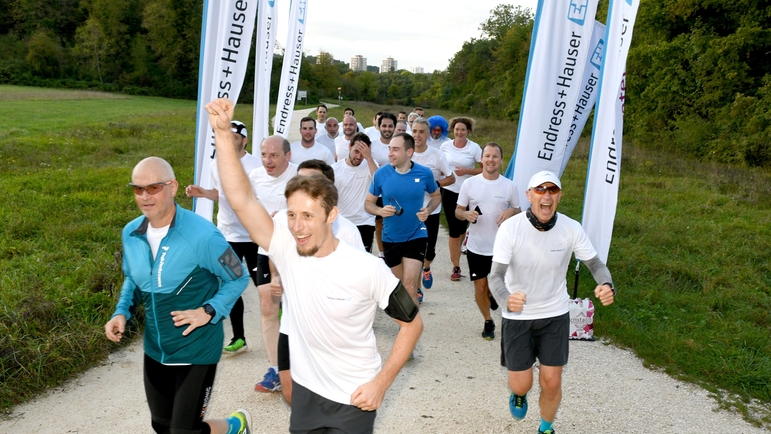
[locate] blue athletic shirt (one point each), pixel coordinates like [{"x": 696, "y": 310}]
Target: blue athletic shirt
[{"x": 403, "y": 191}]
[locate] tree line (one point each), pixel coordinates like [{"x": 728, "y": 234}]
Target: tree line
[{"x": 698, "y": 73}]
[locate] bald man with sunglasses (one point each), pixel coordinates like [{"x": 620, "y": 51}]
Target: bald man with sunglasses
[
  {"x": 188, "y": 277},
  {"x": 531, "y": 255}
]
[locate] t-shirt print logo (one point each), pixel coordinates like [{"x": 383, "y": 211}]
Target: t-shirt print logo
[{"x": 417, "y": 179}]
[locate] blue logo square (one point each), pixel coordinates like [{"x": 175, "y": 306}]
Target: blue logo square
[{"x": 577, "y": 11}]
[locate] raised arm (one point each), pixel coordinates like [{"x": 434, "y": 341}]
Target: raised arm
[{"x": 235, "y": 182}]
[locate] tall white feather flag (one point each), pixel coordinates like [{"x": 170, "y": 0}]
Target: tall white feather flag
[{"x": 604, "y": 173}]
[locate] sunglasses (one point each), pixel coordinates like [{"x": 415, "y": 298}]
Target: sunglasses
[
  {"x": 542, "y": 190},
  {"x": 151, "y": 189}
]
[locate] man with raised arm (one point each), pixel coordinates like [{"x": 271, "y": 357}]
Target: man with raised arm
[{"x": 333, "y": 289}]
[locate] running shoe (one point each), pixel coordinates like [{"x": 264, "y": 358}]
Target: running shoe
[
  {"x": 518, "y": 406},
  {"x": 493, "y": 303},
  {"x": 270, "y": 382},
  {"x": 489, "y": 331},
  {"x": 428, "y": 278},
  {"x": 548, "y": 431},
  {"x": 236, "y": 346},
  {"x": 455, "y": 276},
  {"x": 420, "y": 296},
  {"x": 245, "y": 418}
]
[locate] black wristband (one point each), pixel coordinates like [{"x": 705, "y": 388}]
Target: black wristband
[
  {"x": 209, "y": 310},
  {"x": 612, "y": 288}
]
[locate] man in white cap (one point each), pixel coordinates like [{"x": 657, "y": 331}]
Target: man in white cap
[{"x": 530, "y": 259}]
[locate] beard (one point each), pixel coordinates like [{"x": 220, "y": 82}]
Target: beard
[{"x": 307, "y": 250}]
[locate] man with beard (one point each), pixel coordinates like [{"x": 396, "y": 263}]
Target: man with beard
[
  {"x": 333, "y": 289},
  {"x": 331, "y": 132},
  {"x": 353, "y": 175},
  {"x": 438, "y": 126}
]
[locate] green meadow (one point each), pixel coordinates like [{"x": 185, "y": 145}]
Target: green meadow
[{"x": 690, "y": 251}]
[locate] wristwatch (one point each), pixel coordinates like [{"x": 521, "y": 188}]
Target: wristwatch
[{"x": 209, "y": 310}]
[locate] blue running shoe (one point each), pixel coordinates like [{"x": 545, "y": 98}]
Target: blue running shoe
[
  {"x": 428, "y": 278},
  {"x": 518, "y": 406},
  {"x": 420, "y": 296},
  {"x": 548, "y": 431},
  {"x": 269, "y": 383}
]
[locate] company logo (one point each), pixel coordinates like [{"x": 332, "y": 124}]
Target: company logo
[
  {"x": 417, "y": 179},
  {"x": 596, "y": 57},
  {"x": 301, "y": 8},
  {"x": 271, "y": 3},
  {"x": 577, "y": 11},
  {"x": 160, "y": 265}
]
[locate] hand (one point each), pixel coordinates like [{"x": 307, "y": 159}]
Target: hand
[
  {"x": 506, "y": 214},
  {"x": 460, "y": 171},
  {"x": 387, "y": 211},
  {"x": 368, "y": 396},
  {"x": 365, "y": 150},
  {"x": 516, "y": 301},
  {"x": 220, "y": 114},
  {"x": 604, "y": 293},
  {"x": 115, "y": 327},
  {"x": 423, "y": 214},
  {"x": 472, "y": 216},
  {"x": 195, "y": 191},
  {"x": 276, "y": 289},
  {"x": 193, "y": 318}
]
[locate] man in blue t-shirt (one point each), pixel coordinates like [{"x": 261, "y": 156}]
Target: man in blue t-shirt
[{"x": 402, "y": 184}]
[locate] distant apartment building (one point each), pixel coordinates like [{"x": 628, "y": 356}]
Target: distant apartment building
[
  {"x": 358, "y": 63},
  {"x": 417, "y": 70},
  {"x": 388, "y": 65}
]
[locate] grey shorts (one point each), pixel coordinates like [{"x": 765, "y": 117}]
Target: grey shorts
[
  {"x": 525, "y": 340},
  {"x": 312, "y": 413}
]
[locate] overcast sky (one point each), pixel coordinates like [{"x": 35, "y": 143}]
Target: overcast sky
[{"x": 415, "y": 33}]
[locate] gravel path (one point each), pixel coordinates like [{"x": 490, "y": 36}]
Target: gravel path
[{"x": 455, "y": 384}]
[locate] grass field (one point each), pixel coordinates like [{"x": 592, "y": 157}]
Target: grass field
[{"x": 690, "y": 252}]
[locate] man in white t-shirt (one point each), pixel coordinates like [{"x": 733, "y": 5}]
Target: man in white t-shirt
[
  {"x": 486, "y": 200},
  {"x": 343, "y": 141},
  {"x": 350, "y": 112},
  {"x": 306, "y": 148},
  {"x": 353, "y": 175},
  {"x": 268, "y": 183},
  {"x": 321, "y": 117},
  {"x": 233, "y": 230},
  {"x": 331, "y": 132},
  {"x": 333, "y": 289},
  {"x": 435, "y": 160},
  {"x": 531, "y": 255}
]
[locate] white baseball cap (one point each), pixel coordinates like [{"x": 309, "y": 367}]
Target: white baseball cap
[
  {"x": 238, "y": 127},
  {"x": 542, "y": 178}
]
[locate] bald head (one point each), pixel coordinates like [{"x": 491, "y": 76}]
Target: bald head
[{"x": 155, "y": 168}]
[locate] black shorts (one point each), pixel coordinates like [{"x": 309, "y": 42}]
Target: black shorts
[
  {"x": 413, "y": 249},
  {"x": 263, "y": 270},
  {"x": 248, "y": 251},
  {"x": 178, "y": 395},
  {"x": 546, "y": 339},
  {"x": 478, "y": 265},
  {"x": 455, "y": 226},
  {"x": 283, "y": 352},
  {"x": 367, "y": 236},
  {"x": 312, "y": 413}
]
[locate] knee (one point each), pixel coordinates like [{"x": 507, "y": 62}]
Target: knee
[{"x": 551, "y": 385}]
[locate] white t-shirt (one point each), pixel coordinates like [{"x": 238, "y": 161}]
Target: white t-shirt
[
  {"x": 342, "y": 147},
  {"x": 319, "y": 152},
  {"x": 227, "y": 221},
  {"x": 538, "y": 262},
  {"x": 379, "y": 151},
  {"x": 435, "y": 160},
  {"x": 328, "y": 142},
  {"x": 270, "y": 190},
  {"x": 333, "y": 303},
  {"x": 464, "y": 157},
  {"x": 373, "y": 133},
  {"x": 155, "y": 236},
  {"x": 436, "y": 143},
  {"x": 352, "y": 187},
  {"x": 492, "y": 198}
]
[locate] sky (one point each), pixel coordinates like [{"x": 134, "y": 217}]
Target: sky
[{"x": 415, "y": 33}]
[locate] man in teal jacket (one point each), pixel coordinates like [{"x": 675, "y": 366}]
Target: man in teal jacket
[{"x": 184, "y": 272}]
